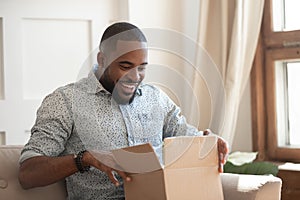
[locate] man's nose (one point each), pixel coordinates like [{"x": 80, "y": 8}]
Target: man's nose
[{"x": 134, "y": 74}]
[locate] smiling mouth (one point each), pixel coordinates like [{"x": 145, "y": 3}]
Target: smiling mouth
[{"x": 128, "y": 87}]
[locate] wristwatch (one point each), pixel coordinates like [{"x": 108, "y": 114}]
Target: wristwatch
[{"x": 78, "y": 162}]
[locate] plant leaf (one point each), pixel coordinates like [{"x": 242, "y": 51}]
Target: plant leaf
[
  {"x": 239, "y": 158},
  {"x": 256, "y": 168}
]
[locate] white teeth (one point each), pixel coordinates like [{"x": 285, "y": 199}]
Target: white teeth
[{"x": 130, "y": 86}]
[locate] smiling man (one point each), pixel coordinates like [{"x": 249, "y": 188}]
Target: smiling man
[
  {"x": 111, "y": 108},
  {"x": 124, "y": 69}
]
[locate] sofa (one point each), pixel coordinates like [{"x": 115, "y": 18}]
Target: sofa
[{"x": 235, "y": 186}]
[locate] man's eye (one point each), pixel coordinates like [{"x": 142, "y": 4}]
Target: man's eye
[
  {"x": 141, "y": 68},
  {"x": 125, "y": 67}
]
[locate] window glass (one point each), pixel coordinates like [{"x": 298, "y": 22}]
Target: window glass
[
  {"x": 281, "y": 104},
  {"x": 286, "y": 15},
  {"x": 293, "y": 87},
  {"x": 287, "y": 103}
]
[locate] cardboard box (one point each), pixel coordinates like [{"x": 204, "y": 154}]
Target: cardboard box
[{"x": 189, "y": 172}]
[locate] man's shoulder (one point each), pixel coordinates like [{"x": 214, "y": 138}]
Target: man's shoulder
[
  {"x": 61, "y": 92},
  {"x": 66, "y": 89},
  {"x": 74, "y": 90}
]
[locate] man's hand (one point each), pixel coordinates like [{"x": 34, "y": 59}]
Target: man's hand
[
  {"x": 223, "y": 150},
  {"x": 109, "y": 167}
]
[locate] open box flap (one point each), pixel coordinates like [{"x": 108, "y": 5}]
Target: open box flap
[
  {"x": 207, "y": 146},
  {"x": 178, "y": 151},
  {"x": 137, "y": 159}
]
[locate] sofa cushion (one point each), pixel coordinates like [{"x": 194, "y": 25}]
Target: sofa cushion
[
  {"x": 9, "y": 183},
  {"x": 235, "y": 186},
  {"x": 251, "y": 187}
]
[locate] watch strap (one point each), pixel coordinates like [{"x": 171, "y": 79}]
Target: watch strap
[{"x": 78, "y": 161}]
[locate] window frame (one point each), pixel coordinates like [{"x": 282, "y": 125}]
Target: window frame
[{"x": 272, "y": 46}]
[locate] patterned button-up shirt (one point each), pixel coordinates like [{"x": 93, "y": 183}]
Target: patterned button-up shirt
[{"x": 83, "y": 115}]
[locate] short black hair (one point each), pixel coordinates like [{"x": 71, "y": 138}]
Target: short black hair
[{"x": 121, "y": 31}]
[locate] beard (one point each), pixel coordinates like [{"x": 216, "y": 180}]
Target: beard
[{"x": 122, "y": 90}]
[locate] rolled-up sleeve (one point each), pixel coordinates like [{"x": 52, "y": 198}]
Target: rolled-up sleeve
[{"x": 52, "y": 128}]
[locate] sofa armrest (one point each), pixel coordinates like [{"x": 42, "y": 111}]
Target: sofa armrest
[
  {"x": 10, "y": 187},
  {"x": 250, "y": 187}
]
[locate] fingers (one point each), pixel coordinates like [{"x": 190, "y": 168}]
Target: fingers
[
  {"x": 207, "y": 132},
  {"x": 111, "y": 175},
  {"x": 112, "y": 178},
  {"x": 124, "y": 176},
  {"x": 223, "y": 151},
  {"x": 220, "y": 168},
  {"x": 109, "y": 170}
]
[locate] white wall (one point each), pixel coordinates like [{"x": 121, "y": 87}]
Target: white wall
[{"x": 45, "y": 45}]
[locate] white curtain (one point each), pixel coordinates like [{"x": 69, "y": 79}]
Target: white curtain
[{"x": 229, "y": 30}]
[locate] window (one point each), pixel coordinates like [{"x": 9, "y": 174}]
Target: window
[
  {"x": 287, "y": 90},
  {"x": 275, "y": 82},
  {"x": 293, "y": 86},
  {"x": 285, "y": 14}
]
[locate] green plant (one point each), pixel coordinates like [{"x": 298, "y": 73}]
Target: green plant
[{"x": 256, "y": 168}]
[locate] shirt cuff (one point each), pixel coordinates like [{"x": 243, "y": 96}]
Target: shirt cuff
[{"x": 28, "y": 154}]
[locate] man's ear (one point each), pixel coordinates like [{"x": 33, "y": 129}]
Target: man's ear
[{"x": 100, "y": 59}]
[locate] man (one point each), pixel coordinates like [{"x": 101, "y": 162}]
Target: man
[{"x": 109, "y": 109}]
